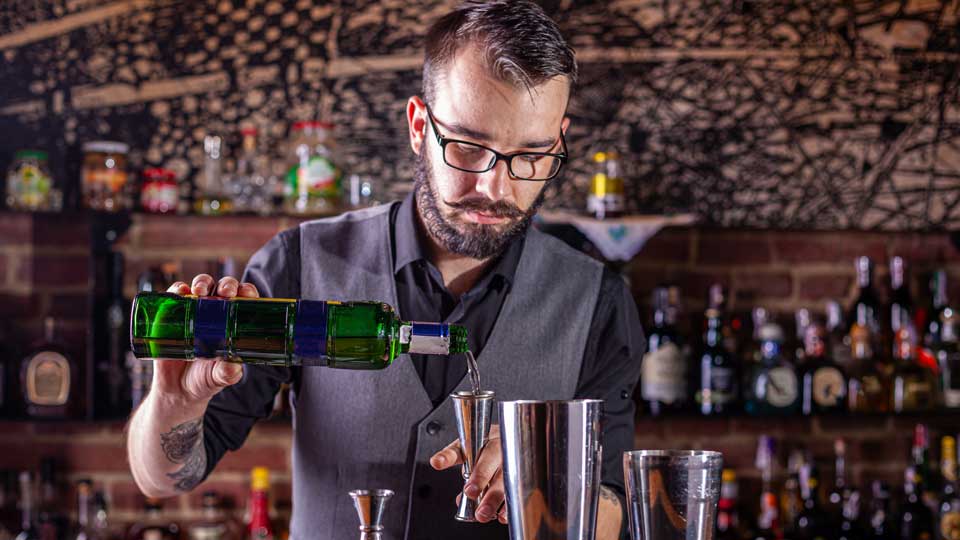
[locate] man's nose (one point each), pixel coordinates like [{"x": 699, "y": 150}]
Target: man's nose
[{"x": 495, "y": 183}]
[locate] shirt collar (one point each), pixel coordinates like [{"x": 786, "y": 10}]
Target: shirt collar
[{"x": 411, "y": 246}]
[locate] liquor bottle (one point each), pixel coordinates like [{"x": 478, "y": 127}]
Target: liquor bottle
[
  {"x": 718, "y": 389},
  {"x": 768, "y": 518},
  {"x": 101, "y": 522},
  {"x": 85, "y": 526},
  {"x": 866, "y": 308},
  {"x": 791, "y": 500},
  {"x": 9, "y": 515},
  {"x": 916, "y": 520},
  {"x": 112, "y": 370},
  {"x": 258, "y": 524},
  {"x": 823, "y": 382},
  {"x": 51, "y": 522},
  {"x": 154, "y": 525},
  {"x": 212, "y": 197},
  {"x": 838, "y": 337},
  {"x": 870, "y": 379},
  {"x": 948, "y": 516},
  {"x": 606, "y": 198},
  {"x": 812, "y": 523},
  {"x": 914, "y": 386},
  {"x": 214, "y": 525},
  {"x": 880, "y": 525},
  {"x": 773, "y": 388},
  {"x": 251, "y": 185},
  {"x": 802, "y": 320},
  {"x": 850, "y": 527},
  {"x": 948, "y": 358},
  {"x": 728, "y": 522},
  {"x": 901, "y": 305},
  {"x": 664, "y": 369},
  {"x": 48, "y": 377},
  {"x": 28, "y": 523},
  {"x": 351, "y": 335},
  {"x": 840, "y": 493},
  {"x": 934, "y": 312}
]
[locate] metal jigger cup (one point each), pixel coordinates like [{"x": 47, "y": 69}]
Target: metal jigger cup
[
  {"x": 369, "y": 504},
  {"x": 473, "y": 413}
]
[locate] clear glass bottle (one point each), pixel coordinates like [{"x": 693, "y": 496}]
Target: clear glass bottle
[
  {"x": 313, "y": 183},
  {"x": 212, "y": 197},
  {"x": 85, "y": 511},
  {"x": 252, "y": 184},
  {"x": 28, "y": 518}
]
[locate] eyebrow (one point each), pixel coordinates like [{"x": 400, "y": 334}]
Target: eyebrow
[{"x": 466, "y": 131}]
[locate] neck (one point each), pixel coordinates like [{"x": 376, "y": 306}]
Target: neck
[{"x": 460, "y": 273}]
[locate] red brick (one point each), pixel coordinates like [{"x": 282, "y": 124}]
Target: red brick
[
  {"x": 55, "y": 271},
  {"x": 221, "y": 233},
  {"x": 696, "y": 426},
  {"x": 76, "y": 457},
  {"x": 67, "y": 230},
  {"x": 670, "y": 245},
  {"x": 738, "y": 454},
  {"x": 824, "y": 286},
  {"x": 728, "y": 248},
  {"x": 749, "y": 286},
  {"x": 894, "y": 448},
  {"x": 69, "y": 305},
  {"x": 232, "y": 494},
  {"x": 924, "y": 249},
  {"x": 694, "y": 285},
  {"x": 839, "y": 248},
  {"x": 770, "y": 425},
  {"x": 838, "y": 425},
  {"x": 248, "y": 457},
  {"x": 3, "y": 268},
  {"x": 17, "y": 307},
  {"x": 15, "y": 228},
  {"x": 126, "y": 495},
  {"x": 643, "y": 279}
]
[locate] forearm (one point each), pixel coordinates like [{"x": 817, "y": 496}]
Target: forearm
[
  {"x": 609, "y": 515},
  {"x": 165, "y": 446}
]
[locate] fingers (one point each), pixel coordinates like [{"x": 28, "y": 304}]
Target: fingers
[
  {"x": 179, "y": 288},
  {"x": 448, "y": 457},
  {"x": 228, "y": 287},
  {"x": 502, "y": 514},
  {"x": 489, "y": 505},
  {"x": 487, "y": 466},
  {"x": 227, "y": 373},
  {"x": 202, "y": 285},
  {"x": 248, "y": 290}
]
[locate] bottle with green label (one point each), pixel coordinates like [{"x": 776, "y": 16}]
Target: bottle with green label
[{"x": 283, "y": 332}]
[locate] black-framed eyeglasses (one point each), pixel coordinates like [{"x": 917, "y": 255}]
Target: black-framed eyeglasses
[{"x": 476, "y": 158}]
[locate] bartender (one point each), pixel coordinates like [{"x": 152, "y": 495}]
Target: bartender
[{"x": 545, "y": 321}]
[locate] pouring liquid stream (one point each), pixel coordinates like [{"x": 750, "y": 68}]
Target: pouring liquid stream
[{"x": 473, "y": 371}]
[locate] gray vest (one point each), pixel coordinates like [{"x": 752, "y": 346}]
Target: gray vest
[{"x": 361, "y": 430}]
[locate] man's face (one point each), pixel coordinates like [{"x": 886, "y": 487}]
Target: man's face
[{"x": 477, "y": 214}]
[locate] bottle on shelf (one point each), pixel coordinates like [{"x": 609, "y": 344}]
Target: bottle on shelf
[
  {"x": 313, "y": 183},
  {"x": 924, "y": 470},
  {"x": 606, "y": 198},
  {"x": 258, "y": 522},
  {"x": 934, "y": 312},
  {"x": 768, "y": 517},
  {"x": 850, "y": 527},
  {"x": 212, "y": 198},
  {"x": 728, "y": 522},
  {"x": 48, "y": 377},
  {"x": 840, "y": 493},
  {"x": 159, "y": 191},
  {"x": 812, "y": 523},
  {"x": 28, "y": 521},
  {"x": 802, "y": 320},
  {"x": 85, "y": 511},
  {"x": 880, "y": 522},
  {"x": 101, "y": 522},
  {"x": 30, "y": 186},
  {"x": 51, "y": 521},
  {"x": 214, "y": 525},
  {"x": 252, "y": 184},
  {"x": 870, "y": 378},
  {"x": 154, "y": 525},
  {"x": 791, "y": 499},
  {"x": 113, "y": 395},
  {"x": 9, "y": 515},
  {"x": 948, "y": 515},
  {"x": 351, "y": 335},
  {"x": 664, "y": 370},
  {"x": 823, "y": 382},
  {"x": 947, "y": 355},
  {"x": 718, "y": 389},
  {"x": 838, "y": 337},
  {"x": 916, "y": 520},
  {"x": 773, "y": 387},
  {"x": 915, "y": 387},
  {"x": 866, "y": 308},
  {"x": 901, "y": 305}
]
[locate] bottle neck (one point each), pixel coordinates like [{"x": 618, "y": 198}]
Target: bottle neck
[
  {"x": 26, "y": 504},
  {"x": 259, "y": 514},
  {"x": 83, "y": 509},
  {"x": 714, "y": 334}
]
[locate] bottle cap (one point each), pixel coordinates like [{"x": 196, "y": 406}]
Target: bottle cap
[
  {"x": 106, "y": 147},
  {"x": 728, "y": 475},
  {"x": 260, "y": 479}
]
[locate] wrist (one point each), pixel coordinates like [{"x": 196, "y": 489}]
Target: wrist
[{"x": 175, "y": 406}]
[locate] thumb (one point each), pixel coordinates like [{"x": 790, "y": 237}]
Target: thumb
[{"x": 227, "y": 373}]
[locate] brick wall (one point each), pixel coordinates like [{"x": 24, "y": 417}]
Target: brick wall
[{"x": 41, "y": 260}]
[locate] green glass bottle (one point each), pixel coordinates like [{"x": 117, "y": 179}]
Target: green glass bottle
[{"x": 283, "y": 332}]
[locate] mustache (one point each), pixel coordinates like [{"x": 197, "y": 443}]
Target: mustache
[{"x": 500, "y": 209}]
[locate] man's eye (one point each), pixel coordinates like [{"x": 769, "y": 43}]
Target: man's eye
[
  {"x": 530, "y": 158},
  {"x": 467, "y": 148}
]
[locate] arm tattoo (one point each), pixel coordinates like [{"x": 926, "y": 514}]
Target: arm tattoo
[
  {"x": 184, "y": 444},
  {"x": 607, "y": 494}
]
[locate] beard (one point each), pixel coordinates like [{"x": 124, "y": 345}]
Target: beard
[{"x": 474, "y": 240}]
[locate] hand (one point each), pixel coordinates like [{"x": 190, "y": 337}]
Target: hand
[
  {"x": 487, "y": 475},
  {"x": 194, "y": 383}
]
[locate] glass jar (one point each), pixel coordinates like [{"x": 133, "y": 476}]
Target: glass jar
[
  {"x": 30, "y": 184},
  {"x": 160, "y": 193},
  {"x": 103, "y": 177},
  {"x": 314, "y": 180}
]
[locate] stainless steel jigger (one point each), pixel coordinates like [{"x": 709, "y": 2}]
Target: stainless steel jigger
[
  {"x": 369, "y": 504},
  {"x": 473, "y": 426}
]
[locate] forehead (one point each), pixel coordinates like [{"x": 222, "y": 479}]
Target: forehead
[{"x": 470, "y": 94}]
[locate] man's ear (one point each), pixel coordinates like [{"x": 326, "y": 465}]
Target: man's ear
[
  {"x": 565, "y": 124},
  {"x": 416, "y": 123}
]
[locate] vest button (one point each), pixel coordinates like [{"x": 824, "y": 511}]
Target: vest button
[
  {"x": 423, "y": 491},
  {"x": 434, "y": 427}
]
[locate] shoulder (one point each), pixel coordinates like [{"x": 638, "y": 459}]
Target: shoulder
[{"x": 559, "y": 252}]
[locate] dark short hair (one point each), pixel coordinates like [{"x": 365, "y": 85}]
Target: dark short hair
[{"x": 520, "y": 43}]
